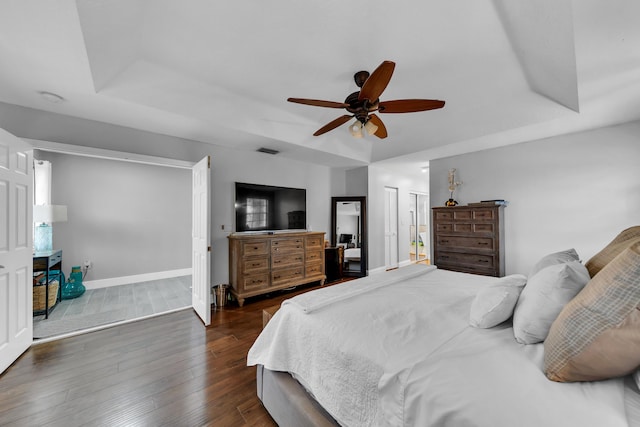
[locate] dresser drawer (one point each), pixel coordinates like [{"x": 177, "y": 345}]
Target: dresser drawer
[
  {"x": 314, "y": 269},
  {"x": 256, "y": 247},
  {"x": 443, "y": 215},
  {"x": 253, "y": 282},
  {"x": 286, "y": 259},
  {"x": 484, "y": 214},
  {"x": 473, "y": 243},
  {"x": 315, "y": 242},
  {"x": 314, "y": 255},
  {"x": 466, "y": 227},
  {"x": 287, "y": 245},
  {"x": 462, "y": 214},
  {"x": 40, "y": 262},
  {"x": 469, "y": 260},
  {"x": 255, "y": 264},
  {"x": 284, "y": 275}
]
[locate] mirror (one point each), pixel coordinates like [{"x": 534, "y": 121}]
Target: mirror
[{"x": 349, "y": 232}]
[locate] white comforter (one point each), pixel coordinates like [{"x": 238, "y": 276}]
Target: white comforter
[{"x": 396, "y": 350}]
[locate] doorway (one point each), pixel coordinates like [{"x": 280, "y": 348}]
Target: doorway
[{"x": 157, "y": 189}]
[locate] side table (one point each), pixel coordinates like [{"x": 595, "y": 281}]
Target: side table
[{"x": 44, "y": 262}]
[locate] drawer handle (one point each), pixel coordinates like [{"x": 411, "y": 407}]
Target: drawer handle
[
  {"x": 255, "y": 265},
  {"x": 483, "y": 260},
  {"x": 444, "y": 241},
  {"x": 444, "y": 256},
  {"x": 255, "y": 248},
  {"x": 276, "y": 277},
  {"x": 483, "y": 243}
]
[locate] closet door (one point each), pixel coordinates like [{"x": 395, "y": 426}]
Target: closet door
[
  {"x": 16, "y": 248},
  {"x": 391, "y": 227}
]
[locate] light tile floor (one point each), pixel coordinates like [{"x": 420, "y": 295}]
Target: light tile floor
[{"x": 113, "y": 304}]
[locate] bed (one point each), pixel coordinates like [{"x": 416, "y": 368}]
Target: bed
[{"x": 398, "y": 349}]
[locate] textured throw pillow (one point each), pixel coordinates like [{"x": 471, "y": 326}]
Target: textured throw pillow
[
  {"x": 544, "y": 296},
  {"x": 597, "y": 335},
  {"x": 553, "y": 259},
  {"x": 495, "y": 303},
  {"x": 621, "y": 242}
]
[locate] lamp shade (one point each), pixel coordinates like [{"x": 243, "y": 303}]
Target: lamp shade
[
  {"x": 356, "y": 129},
  {"x": 370, "y": 127},
  {"x": 49, "y": 213}
]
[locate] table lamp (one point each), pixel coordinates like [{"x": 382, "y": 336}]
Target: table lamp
[{"x": 43, "y": 217}]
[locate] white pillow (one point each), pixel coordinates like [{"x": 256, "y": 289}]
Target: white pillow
[
  {"x": 553, "y": 259},
  {"x": 495, "y": 303},
  {"x": 541, "y": 301}
]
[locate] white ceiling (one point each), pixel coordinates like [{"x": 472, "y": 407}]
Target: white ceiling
[{"x": 220, "y": 71}]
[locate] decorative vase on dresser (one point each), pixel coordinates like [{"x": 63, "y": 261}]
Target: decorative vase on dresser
[
  {"x": 469, "y": 239},
  {"x": 262, "y": 263}
]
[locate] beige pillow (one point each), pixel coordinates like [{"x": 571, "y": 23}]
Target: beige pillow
[
  {"x": 495, "y": 303},
  {"x": 543, "y": 298},
  {"x": 622, "y": 241},
  {"x": 597, "y": 335}
]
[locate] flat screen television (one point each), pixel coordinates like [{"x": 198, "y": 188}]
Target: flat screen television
[{"x": 270, "y": 208}]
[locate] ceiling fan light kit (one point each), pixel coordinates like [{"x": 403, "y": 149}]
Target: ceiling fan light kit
[
  {"x": 363, "y": 104},
  {"x": 356, "y": 129}
]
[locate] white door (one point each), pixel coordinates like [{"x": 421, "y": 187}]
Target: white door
[
  {"x": 391, "y": 227},
  {"x": 16, "y": 248},
  {"x": 200, "y": 225}
]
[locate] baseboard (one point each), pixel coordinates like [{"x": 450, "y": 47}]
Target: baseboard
[
  {"x": 377, "y": 270},
  {"x": 125, "y": 280}
]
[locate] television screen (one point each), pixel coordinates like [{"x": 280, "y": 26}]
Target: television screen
[{"x": 270, "y": 208}]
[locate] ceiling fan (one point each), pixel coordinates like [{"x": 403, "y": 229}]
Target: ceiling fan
[{"x": 364, "y": 103}]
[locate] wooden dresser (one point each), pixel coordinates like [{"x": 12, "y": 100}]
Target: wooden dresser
[
  {"x": 261, "y": 263},
  {"x": 469, "y": 239}
]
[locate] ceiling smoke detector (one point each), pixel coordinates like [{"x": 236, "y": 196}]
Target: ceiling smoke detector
[{"x": 51, "y": 97}]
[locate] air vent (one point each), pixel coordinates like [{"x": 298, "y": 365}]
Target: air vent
[{"x": 267, "y": 150}]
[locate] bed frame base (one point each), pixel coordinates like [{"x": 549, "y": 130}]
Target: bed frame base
[{"x": 288, "y": 402}]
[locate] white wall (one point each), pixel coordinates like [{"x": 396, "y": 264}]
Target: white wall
[{"x": 577, "y": 190}]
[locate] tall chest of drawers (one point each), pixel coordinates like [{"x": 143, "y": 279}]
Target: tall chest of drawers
[
  {"x": 261, "y": 263},
  {"x": 469, "y": 239}
]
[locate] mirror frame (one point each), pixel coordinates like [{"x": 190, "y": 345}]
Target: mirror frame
[{"x": 363, "y": 230}]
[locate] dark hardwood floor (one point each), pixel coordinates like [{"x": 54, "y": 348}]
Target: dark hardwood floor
[{"x": 169, "y": 370}]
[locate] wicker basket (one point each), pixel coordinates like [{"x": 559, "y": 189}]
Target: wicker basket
[{"x": 40, "y": 293}]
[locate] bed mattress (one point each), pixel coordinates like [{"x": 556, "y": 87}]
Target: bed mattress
[{"x": 396, "y": 350}]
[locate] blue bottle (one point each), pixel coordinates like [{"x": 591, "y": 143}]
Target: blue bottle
[{"x": 73, "y": 287}]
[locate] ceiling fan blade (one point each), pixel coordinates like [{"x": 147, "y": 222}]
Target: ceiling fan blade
[
  {"x": 333, "y": 124},
  {"x": 377, "y": 82},
  {"x": 382, "y": 130},
  {"x": 318, "y": 103},
  {"x": 409, "y": 105}
]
